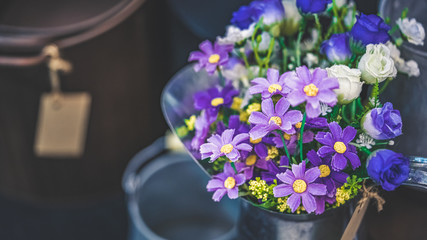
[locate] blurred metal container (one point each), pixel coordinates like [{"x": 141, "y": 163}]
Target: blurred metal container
[
  {"x": 167, "y": 198},
  {"x": 108, "y": 43}
]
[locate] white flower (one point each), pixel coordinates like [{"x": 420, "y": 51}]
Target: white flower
[
  {"x": 340, "y": 3},
  {"x": 265, "y": 42},
  {"x": 408, "y": 67},
  {"x": 234, "y": 35},
  {"x": 239, "y": 74},
  {"x": 349, "y": 81},
  {"x": 311, "y": 60},
  {"x": 350, "y": 17},
  {"x": 325, "y": 109},
  {"x": 412, "y": 29},
  {"x": 292, "y": 17},
  {"x": 365, "y": 140},
  {"x": 374, "y": 102},
  {"x": 377, "y": 64}
]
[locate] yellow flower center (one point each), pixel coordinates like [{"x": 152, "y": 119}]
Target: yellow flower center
[
  {"x": 227, "y": 148},
  {"x": 255, "y": 141},
  {"x": 214, "y": 58},
  {"x": 274, "y": 87},
  {"x": 324, "y": 170},
  {"x": 276, "y": 120},
  {"x": 230, "y": 182},
  {"x": 272, "y": 153},
  {"x": 311, "y": 90},
  {"x": 287, "y": 136},
  {"x": 217, "y": 101},
  {"x": 237, "y": 102},
  {"x": 299, "y": 186},
  {"x": 298, "y": 125},
  {"x": 251, "y": 160},
  {"x": 340, "y": 147},
  {"x": 254, "y": 107}
]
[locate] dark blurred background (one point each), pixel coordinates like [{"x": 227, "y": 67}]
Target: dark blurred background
[{"x": 123, "y": 52}]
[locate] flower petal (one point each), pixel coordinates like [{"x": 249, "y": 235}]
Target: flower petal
[
  {"x": 348, "y": 134},
  {"x": 282, "y": 190},
  {"x": 293, "y": 117},
  {"x": 261, "y": 150},
  {"x": 294, "y": 201},
  {"x": 354, "y": 159},
  {"x": 217, "y": 196},
  {"x": 325, "y": 138},
  {"x": 325, "y": 150},
  {"x": 214, "y": 184},
  {"x": 314, "y": 158},
  {"x": 233, "y": 193},
  {"x": 234, "y": 155},
  {"x": 327, "y": 96},
  {"x": 339, "y": 162},
  {"x": 308, "y": 202},
  {"x": 304, "y": 74},
  {"x": 282, "y": 106},
  {"x": 227, "y": 136},
  {"x": 240, "y": 179},
  {"x": 298, "y": 170},
  {"x": 273, "y": 75},
  {"x": 317, "y": 189},
  {"x": 267, "y": 107},
  {"x": 286, "y": 177},
  {"x": 244, "y": 147},
  {"x": 312, "y": 111},
  {"x": 258, "y": 118},
  {"x": 295, "y": 98},
  {"x": 240, "y": 138},
  {"x": 258, "y": 131},
  {"x": 312, "y": 174},
  {"x": 336, "y": 130}
]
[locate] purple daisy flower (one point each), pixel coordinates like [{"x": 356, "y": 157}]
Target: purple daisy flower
[
  {"x": 225, "y": 144},
  {"x": 201, "y": 127},
  {"x": 292, "y": 140},
  {"x": 312, "y": 88},
  {"x": 211, "y": 56},
  {"x": 328, "y": 176},
  {"x": 337, "y": 144},
  {"x": 273, "y": 85},
  {"x": 273, "y": 170},
  {"x": 249, "y": 163},
  {"x": 233, "y": 123},
  {"x": 225, "y": 182},
  {"x": 213, "y": 98},
  {"x": 273, "y": 118},
  {"x": 320, "y": 202},
  {"x": 260, "y": 146},
  {"x": 299, "y": 183}
]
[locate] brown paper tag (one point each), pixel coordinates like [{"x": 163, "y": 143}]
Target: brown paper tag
[
  {"x": 356, "y": 219},
  {"x": 62, "y": 124}
]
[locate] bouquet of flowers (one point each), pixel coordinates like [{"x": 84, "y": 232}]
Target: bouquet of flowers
[{"x": 296, "y": 123}]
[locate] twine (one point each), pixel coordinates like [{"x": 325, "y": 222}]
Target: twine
[{"x": 371, "y": 193}]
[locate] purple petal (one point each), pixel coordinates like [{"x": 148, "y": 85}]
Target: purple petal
[
  {"x": 214, "y": 184},
  {"x": 208, "y": 148},
  {"x": 295, "y": 98},
  {"x": 282, "y": 190},
  {"x": 234, "y": 155},
  {"x": 257, "y": 89},
  {"x": 244, "y": 147},
  {"x": 327, "y": 96},
  {"x": 339, "y": 177},
  {"x": 240, "y": 138},
  {"x": 294, "y": 201},
  {"x": 196, "y": 55},
  {"x": 325, "y": 138},
  {"x": 312, "y": 112},
  {"x": 312, "y": 174},
  {"x": 282, "y": 106},
  {"x": 233, "y": 193},
  {"x": 273, "y": 75},
  {"x": 317, "y": 189},
  {"x": 293, "y": 117},
  {"x": 330, "y": 83},
  {"x": 339, "y": 162},
  {"x": 261, "y": 81},
  {"x": 298, "y": 170},
  {"x": 261, "y": 150},
  {"x": 348, "y": 134},
  {"x": 258, "y": 118},
  {"x": 216, "y": 139},
  {"x": 336, "y": 130},
  {"x": 227, "y": 136},
  {"x": 286, "y": 177},
  {"x": 206, "y": 46},
  {"x": 325, "y": 150},
  {"x": 267, "y": 107},
  {"x": 314, "y": 158},
  {"x": 320, "y": 204},
  {"x": 258, "y": 131},
  {"x": 354, "y": 159},
  {"x": 217, "y": 196},
  {"x": 240, "y": 179},
  {"x": 228, "y": 169},
  {"x": 304, "y": 74},
  {"x": 308, "y": 202}
]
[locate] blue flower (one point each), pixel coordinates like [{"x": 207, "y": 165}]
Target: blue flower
[
  {"x": 388, "y": 168},
  {"x": 383, "y": 123},
  {"x": 370, "y": 29},
  {"x": 271, "y": 10},
  {"x": 312, "y": 6},
  {"x": 337, "y": 48}
]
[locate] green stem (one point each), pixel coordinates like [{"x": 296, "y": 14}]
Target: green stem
[
  {"x": 344, "y": 115},
  {"x": 221, "y": 77},
  {"x": 384, "y": 86},
  {"x": 234, "y": 167},
  {"x": 284, "y": 53},
  {"x": 284, "y": 145},
  {"x": 353, "y": 110},
  {"x": 319, "y": 29},
  {"x": 245, "y": 59},
  {"x": 337, "y": 16},
  {"x": 301, "y": 137},
  {"x": 270, "y": 51},
  {"x": 298, "y": 44}
]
